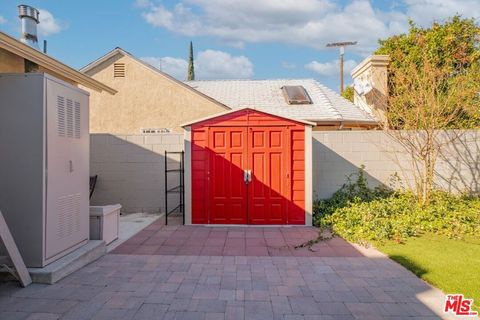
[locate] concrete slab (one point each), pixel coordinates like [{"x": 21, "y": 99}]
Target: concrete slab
[
  {"x": 72, "y": 262},
  {"x": 130, "y": 224}
]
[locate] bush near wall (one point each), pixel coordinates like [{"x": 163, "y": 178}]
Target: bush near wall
[{"x": 364, "y": 215}]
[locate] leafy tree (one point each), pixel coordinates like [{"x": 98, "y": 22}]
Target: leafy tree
[
  {"x": 452, "y": 49},
  {"x": 191, "y": 69},
  {"x": 434, "y": 85},
  {"x": 348, "y": 93}
]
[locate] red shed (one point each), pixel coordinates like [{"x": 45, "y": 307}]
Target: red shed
[{"x": 248, "y": 167}]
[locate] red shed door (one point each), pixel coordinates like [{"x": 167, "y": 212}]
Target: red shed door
[
  {"x": 265, "y": 152},
  {"x": 227, "y": 158},
  {"x": 268, "y": 194}
]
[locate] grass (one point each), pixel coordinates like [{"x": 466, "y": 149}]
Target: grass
[{"x": 450, "y": 265}]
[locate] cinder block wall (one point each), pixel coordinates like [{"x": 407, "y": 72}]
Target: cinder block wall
[
  {"x": 337, "y": 154},
  {"x": 131, "y": 168}
]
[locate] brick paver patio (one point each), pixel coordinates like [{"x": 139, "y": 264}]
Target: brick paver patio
[
  {"x": 201, "y": 287},
  {"x": 148, "y": 283},
  {"x": 158, "y": 239}
]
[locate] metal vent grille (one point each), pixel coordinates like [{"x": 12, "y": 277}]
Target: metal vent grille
[
  {"x": 77, "y": 120},
  {"x": 61, "y": 116},
  {"x": 119, "y": 70},
  {"x": 68, "y": 215},
  {"x": 69, "y": 118}
]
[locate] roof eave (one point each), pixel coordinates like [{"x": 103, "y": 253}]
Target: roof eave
[
  {"x": 187, "y": 124},
  {"x": 100, "y": 60},
  {"x": 13, "y": 45},
  {"x": 350, "y": 122},
  {"x": 118, "y": 50}
]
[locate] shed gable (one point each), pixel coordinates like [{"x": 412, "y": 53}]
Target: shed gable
[{"x": 240, "y": 116}]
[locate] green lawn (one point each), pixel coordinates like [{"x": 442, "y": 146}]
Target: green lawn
[{"x": 450, "y": 265}]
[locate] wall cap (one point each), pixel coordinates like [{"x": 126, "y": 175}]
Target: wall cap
[{"x": 376, "y": 60}]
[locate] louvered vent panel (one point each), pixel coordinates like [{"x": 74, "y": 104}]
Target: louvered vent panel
[
  {"x": 68, "y": 215},
  {"x": 61, "y": 116},
  {"x": 119, "y": 70},
  {"x": 77, "y": 120},
  {"x": 69, "y": 118}
]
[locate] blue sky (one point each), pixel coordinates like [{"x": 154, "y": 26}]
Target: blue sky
[{"x": 257, "y": 39}]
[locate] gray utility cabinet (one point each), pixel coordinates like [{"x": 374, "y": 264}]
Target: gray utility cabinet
[{"x": 44, "y": 165}]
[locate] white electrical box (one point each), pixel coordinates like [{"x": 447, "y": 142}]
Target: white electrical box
[
  {"x": 104, "y": 222},
  {"x": 44, "y": 165}
]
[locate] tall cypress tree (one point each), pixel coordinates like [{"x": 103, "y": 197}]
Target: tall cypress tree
[{"x": 191, "y": 69}]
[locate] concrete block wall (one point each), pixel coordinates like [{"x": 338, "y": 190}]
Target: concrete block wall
[
  {"x": 337, "y": 154},
  {"x": 130, "y": 170},
  {"x": 131, "y": 167}
]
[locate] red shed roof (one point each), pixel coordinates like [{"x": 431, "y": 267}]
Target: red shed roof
[{"x": 213, "y": 116}]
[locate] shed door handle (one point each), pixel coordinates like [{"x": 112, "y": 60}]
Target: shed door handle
[{"x": 247, "y": 176}]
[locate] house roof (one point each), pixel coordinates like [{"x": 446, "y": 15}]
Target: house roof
[
  {"x": 25, "y": 51},
  {"x": 266, "y": 95},
  {"x": 239, "y": 109},
  {"x": 119, "y": 51}
]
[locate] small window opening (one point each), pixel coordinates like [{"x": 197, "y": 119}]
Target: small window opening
[
  {"x": 119, "y": 70},
  {"x": 296, "y": 95}
]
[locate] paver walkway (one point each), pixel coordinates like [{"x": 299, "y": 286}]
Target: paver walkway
[
  {"x": 200, "y": 287},
  {"x": 148, "y": 283},
  {"x": 158, "y": 239}
]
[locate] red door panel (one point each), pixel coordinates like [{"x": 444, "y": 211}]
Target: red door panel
[
  {"x": 268, "y": 192},
  {"x": 227, "y": 160}
]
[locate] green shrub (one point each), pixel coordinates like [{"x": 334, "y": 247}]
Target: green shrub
[
  {"x": 355, "y": 190},
  {"x": 360, "y": 214}
]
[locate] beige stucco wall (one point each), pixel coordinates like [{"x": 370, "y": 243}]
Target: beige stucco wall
[
  {"x": 11, "y": 63},
  {"x": 373, "y": 70},
  {"x": 145, "y": 99}
]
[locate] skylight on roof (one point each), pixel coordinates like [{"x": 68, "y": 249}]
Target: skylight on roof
[{"x": 296, "y": 95}]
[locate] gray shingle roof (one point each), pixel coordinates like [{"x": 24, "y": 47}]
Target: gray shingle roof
[{"x": 267, "y": 95}]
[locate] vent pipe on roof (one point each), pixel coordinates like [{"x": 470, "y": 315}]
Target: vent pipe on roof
[{"x": 29, "y": 17}]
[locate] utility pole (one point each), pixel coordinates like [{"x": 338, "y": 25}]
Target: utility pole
[{"x": 342, "y": 46}]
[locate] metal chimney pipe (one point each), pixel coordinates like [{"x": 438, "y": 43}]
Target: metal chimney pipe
[{"x": 29, "y": 17}]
